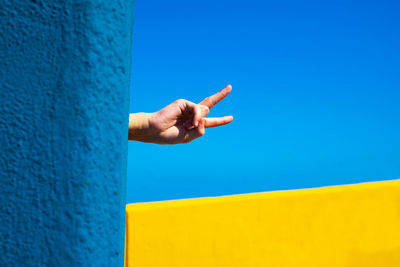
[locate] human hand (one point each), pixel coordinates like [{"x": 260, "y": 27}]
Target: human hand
[{"x": 180, "y": 122}]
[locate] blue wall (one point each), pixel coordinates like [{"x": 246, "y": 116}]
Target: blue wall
[{"x": 64, "y": 85}]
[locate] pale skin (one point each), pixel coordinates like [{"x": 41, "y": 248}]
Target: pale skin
[{"x": 178, "y": 123}]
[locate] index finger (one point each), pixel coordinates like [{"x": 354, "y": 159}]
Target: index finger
[{"x": 214, "y": 99}]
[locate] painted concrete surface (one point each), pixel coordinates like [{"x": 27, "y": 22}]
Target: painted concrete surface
[
  {"x": 64, "y": 85},
  {"x": 343, "y": 226}
]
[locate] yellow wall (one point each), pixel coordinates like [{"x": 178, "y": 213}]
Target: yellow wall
[{"x": 356, "y": 225}]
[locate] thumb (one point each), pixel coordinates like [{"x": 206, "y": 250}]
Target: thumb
[{"x": 197, "y": 132}]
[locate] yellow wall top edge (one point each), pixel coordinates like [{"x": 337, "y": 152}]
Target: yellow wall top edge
[{"x": 262, "y": 195}]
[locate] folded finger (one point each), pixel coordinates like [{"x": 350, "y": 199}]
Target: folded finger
[{"x": 192, "y": 109}]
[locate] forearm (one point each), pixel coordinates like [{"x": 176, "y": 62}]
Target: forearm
[{"x": 140, "y": 128}]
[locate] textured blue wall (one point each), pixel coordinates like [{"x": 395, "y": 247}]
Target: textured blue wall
[{"x": 64, "y": 85}]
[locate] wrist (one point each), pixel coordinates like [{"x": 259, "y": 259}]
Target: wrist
[{"x": 141, "y": 127}]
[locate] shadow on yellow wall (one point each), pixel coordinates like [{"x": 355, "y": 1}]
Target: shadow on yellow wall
[{"x": 354, "y": 225}]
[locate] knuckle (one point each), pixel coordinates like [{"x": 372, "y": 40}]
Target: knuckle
[{"x": 180, "y": 101}]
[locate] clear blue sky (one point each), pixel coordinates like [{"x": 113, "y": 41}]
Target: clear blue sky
[{"x": 316, "y": 92}]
